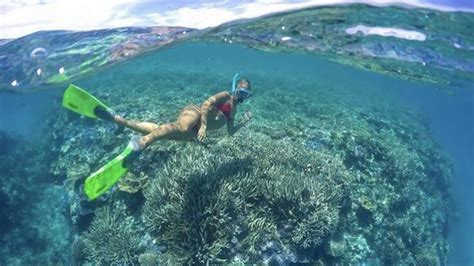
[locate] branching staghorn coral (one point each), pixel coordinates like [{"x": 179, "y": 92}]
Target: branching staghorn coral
[
  {"x": 209, "y": 206},
  {"x": 112, "y": 238},
  {"x": 184, "y": 209}
]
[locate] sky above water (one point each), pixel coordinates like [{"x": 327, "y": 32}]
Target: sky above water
[{"x": 22, "y": 17}]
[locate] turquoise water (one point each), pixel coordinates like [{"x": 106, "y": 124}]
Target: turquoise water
[{"x": 338, "y": 164}]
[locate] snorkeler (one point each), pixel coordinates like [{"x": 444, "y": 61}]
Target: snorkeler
[{"x": 192, "y": 123}]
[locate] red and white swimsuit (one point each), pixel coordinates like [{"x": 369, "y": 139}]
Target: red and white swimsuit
[{"x": 226, "y": 109}]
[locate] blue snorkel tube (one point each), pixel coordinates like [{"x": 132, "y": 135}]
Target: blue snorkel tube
[
  {"x": 234, "y": 81},
  {"x": 244, "y": 91}
]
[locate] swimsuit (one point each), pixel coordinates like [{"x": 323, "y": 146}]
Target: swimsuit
[{"x": 226, "y": 109}]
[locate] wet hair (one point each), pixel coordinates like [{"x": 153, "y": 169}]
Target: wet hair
[{"x": 248, "y": 82}]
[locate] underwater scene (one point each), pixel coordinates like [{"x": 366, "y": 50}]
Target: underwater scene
[{"x": 334, "y": 135}]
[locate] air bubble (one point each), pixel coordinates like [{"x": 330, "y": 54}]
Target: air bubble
[{"x": 39, "y": 53}]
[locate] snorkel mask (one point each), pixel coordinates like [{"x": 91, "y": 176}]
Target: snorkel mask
[{"x": 241, "y": 93}]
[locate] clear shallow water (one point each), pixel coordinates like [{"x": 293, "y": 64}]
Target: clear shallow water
[
  {"x": 309, "y": 94},
  {"x": 452, "y": 123}
]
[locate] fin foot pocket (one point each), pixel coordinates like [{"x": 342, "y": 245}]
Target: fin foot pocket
[{"x": 106, "y": 114}]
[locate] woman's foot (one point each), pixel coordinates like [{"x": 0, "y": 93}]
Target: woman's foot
[
  {"x": 136, "y": 143},
  {"x": 137, "y": 149}
]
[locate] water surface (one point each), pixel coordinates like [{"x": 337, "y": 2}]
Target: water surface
[{"x": 384, "y": 153}]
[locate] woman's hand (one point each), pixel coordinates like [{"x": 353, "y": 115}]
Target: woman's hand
[
  {"x": 247, "y": 116},
  {"x": 201, "y": 134}
]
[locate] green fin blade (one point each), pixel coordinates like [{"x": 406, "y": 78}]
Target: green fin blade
[
  {"x": 82, "y": 102},
  {"x": 103, "y": 179}
]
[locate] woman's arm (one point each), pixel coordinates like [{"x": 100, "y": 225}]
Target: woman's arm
[
  {"x": 232, "y": 129},
  {"x": 218, "y": 98}
]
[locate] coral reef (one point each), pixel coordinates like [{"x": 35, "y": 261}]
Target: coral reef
[
  {"x": 112, "y": 237},
  {"x": 315, "y": 177},
  {"x": 326, "y": 181},
  {"x": 131, "y": 183},
  {"x": 209, "y": 206},
  {"x": 33, "y": 228}
]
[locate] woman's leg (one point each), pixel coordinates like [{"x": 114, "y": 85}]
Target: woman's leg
[
  {"x": 181, "y": 129},
  {"x": 141, "y": 127}
]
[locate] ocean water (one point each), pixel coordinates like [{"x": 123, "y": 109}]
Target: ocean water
[{"x": 343, "y": 161}]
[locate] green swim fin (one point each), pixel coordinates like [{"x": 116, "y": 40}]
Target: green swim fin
[
  {"x": 82, "y": 102},
  {"x": 103, "y": 179}
]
